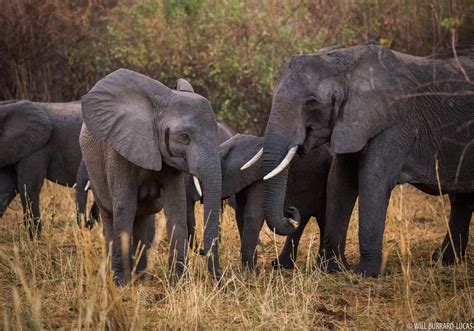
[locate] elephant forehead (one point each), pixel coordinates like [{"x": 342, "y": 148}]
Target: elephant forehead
[{"x": 187, "y": 99}]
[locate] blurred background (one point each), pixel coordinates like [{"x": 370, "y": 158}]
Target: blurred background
[{"x": 230, "y": 50}]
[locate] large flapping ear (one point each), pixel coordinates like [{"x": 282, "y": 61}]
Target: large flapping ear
[
  {"x": 121, "y": 109},
  {"x": 24, "y": 129},
  {"x": 377, "y": 84},
  {"x": 183, "y": 85},
  {"x": 234, "y": 153}
]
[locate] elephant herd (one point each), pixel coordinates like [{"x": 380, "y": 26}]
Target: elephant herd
[{"x": 345, "y": 123}]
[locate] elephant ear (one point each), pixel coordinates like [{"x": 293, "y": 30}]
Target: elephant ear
[
  {"x": 374, "y": 100},
  {"x": 183, "y": 85},
  {"x": 24, "y": 129},
  {"x": 234, "y": 153},
  {"x": 122, "y": 109}
]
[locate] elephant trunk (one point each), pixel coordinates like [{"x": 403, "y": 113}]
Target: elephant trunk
[
  {"x": 212, "y": 193},
  {"x": 275, "y": 188},
  {"x": 278, "y": 143}
]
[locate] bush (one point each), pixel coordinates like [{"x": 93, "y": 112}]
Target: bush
[{"x": 229, "y": 50}]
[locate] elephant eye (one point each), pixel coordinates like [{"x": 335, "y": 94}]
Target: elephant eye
[
  {"x": 184, "y": 138},
  {"x": 311, "y": 104}
]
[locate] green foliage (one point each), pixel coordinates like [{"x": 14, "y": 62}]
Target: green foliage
[
  {"x": 451, "y": 23},
  {"x": 229, "y": 50}
]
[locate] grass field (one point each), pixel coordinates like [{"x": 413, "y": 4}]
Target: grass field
[{"x": 63, "y": 280}]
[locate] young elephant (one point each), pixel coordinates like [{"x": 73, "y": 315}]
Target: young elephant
[
  {"x": 306, "y": 191},
  {"x": 390, "y": 118},
  {"x": 37, "y": 141},
  {"x": 138, "y": 140}
]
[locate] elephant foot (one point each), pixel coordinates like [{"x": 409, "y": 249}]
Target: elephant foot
[
  {"x": 370, "y": 268},
  {"x": 249, "y": 267},
  {"x": 91, "y": 222},
  {"x": 331, "y": 264},
  {"x": 446, "y": 255},
  {"x": 119, "y": 282},
  {"x": 144, "y": 276},
  {"x": 283, "y": 262},
  {"x": 34, "y": 228}
]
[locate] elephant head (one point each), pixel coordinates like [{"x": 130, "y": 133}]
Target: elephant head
[
  {"x": 150, "y": 124},
  {"x": 24, "y": 129},
  {"x": 344, "y": 96}
]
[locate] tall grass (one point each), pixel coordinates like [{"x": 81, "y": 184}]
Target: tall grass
[{"x": 64, "y": 280}]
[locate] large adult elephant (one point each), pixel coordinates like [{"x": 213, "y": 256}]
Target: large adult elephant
[
  {"x": 138, "y": 140},
  {"x": 38, "y": 141},
  {"x": 390, "y": 118}
]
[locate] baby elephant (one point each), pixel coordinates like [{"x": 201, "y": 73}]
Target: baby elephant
[{"x": 306, "y": 191}]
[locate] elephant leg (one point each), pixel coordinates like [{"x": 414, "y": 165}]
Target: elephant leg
[
  {"x": 31, "y": 173},
  {"x": 141, "y": 228},
  {"x": 232, "y": 202},
  {"x": 151, "y": 231},
  {"x": 287, "y": 257},
  {"x": 462, "y": 206},
  {"x": 240, "y": 202},
  {"x": 176, "y": 225},
  {"x": 8, "y": 187},
  {"x": 93, "y": 215},
  {"x": 380, "y": 165},
  {"x": 123, "y": 216},
  {"x": 124, "y": 191},
  {"x": 320, "y": 214},
  {"x": 253, "y": 219},
  {"x": 108, "y": 228},
  {"x": 342, "y": 191}
]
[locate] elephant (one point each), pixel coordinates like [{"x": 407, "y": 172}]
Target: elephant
[
  {"x": 38, "y": 141},
  {"x": 138, "y": 140},
  {"x": 390, "y": 118},
  {"x": 306, "y": 190}
]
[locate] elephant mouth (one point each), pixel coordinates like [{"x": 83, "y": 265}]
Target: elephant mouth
[{"x": 315, "y": 137}]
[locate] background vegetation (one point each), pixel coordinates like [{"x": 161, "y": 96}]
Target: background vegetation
[{"x": 230, "y": 50}]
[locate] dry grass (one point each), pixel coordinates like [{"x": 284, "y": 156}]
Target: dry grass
[{"x": 63, "y": 280}]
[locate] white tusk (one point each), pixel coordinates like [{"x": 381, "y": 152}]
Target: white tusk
[
  {"x": 283, "y": 164},
  {"x": 88, "y": 186},
  {"x": 74, "y": 186},
  {"x": 198, "y": 187},
  {"x": 253, "y": 160}
]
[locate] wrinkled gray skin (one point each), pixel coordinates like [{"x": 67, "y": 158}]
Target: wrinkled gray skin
[
  {"x": 387, "y": 123},
  {"x": 37, "y": 141},
  {"x": 306, "y": 191},
  {"x": 138, "y": 139},
  {"x": 223, "y": 133}
]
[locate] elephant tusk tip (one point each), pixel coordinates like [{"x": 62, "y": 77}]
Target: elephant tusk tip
[
  {"x": 283, "y": 164},
  {"x": 254, "y": 159},
  {"x": 197, "y": 185},
  {"x": 88, "y": 186}
]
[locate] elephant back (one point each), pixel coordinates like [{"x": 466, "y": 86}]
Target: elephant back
[{"x": 24, "y": 129}]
